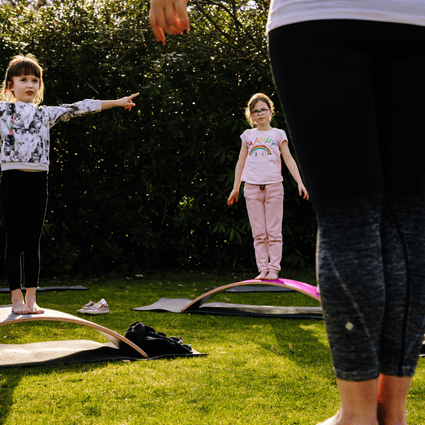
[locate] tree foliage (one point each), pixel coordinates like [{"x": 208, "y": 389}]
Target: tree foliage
[{"x": 148, "y": 188}]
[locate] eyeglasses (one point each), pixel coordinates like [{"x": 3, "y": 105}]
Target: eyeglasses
[{"x": 259, "y": 111}]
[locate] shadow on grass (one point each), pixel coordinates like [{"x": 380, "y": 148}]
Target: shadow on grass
[
  {"x": 11, "y": 377},
  {"x": 303, "y": 343}
]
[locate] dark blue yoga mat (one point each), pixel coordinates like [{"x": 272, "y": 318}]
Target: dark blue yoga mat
[{"x": 48, "y": 288}]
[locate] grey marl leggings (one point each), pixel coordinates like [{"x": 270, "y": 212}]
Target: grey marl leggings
[{"x": 353, "y": 96}]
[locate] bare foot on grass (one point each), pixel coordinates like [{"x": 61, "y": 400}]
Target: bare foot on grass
[{"x": 330, "y": 421}]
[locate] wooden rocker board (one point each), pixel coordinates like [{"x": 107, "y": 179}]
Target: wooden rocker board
[
  {"x": 258, "y": 288},
  {"x": 48, "y": 353},
  {"x": 200, "y": 305},
  {"x": 304, "y": 288},
  {"x": 7, "y": 317}
]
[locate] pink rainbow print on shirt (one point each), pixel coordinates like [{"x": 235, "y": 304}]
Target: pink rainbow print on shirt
[{"x": 260, "y": 148}]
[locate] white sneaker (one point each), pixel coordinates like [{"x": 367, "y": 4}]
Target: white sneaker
[
  {"x": 99, "y": 308},
  {"x": 86, "y": 307}
]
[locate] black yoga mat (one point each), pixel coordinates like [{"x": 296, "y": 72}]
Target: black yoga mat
[
  {"x": 175, "y": 305},
  {"x": 48, "y": 288},
  {"x": 66, "y": 352}
]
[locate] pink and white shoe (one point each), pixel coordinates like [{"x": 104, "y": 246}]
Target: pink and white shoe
[
  {"x": 99, "y": 308},
  {"x": 90, "y": 304}
]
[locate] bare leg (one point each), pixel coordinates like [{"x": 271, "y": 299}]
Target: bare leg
[
  {"x": 358, "y": 403},
  {"x": 31, "y": 303},
  {"x": 18, "y": 304},
  {"x": 392, "y": 397}
]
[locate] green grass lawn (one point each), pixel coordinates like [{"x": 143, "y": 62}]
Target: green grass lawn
[{"x": 258, "y": 371}]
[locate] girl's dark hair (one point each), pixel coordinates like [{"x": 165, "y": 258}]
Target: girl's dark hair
[
  {"x": 22, "y": 65},
  {"x": 251, "y": 105}
]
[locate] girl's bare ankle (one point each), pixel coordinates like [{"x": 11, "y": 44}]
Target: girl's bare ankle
[{"x": 17, "y": 296}]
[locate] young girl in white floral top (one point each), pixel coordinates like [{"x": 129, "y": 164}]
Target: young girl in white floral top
[{"x": 24, "y": 159}]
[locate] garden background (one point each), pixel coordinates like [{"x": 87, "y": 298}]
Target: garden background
[{"x": 131, "y": 191}]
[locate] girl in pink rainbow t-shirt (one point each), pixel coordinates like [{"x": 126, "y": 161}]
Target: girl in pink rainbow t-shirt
[{"x": 259, "y": 166}]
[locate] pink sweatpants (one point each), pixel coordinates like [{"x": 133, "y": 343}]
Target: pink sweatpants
[{"x": 265, "y": 212}]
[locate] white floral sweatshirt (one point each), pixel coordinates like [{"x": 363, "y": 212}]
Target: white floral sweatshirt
[{"x": 25, "y": 131}]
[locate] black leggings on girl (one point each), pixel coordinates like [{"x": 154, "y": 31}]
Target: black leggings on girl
[
  {"x": 23, "y": 202},
  {"x": 352, "y": 93}
]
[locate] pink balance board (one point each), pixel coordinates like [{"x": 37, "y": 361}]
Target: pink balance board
[{"x": 304, "y": 288}]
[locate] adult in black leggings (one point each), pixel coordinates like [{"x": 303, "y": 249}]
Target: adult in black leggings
[{"x": 353, "y": 96}]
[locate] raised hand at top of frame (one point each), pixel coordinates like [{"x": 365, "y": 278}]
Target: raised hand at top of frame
[{"x": 169, "y": 16}]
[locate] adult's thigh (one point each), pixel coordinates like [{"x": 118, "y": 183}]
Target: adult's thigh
[
  {"x": 326, "y": 88},
  {"x": 400, "y": 116}
]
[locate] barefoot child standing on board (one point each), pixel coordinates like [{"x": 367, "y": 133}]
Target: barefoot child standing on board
[
  {"x": 259, "y": 166},
  {"x": 24, "y": 159}
]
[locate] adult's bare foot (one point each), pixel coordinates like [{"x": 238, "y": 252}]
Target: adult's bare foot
[{"x": 330, "y": 421}]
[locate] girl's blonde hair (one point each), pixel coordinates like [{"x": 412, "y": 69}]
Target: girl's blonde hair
[
  {"x": 22, "y": 65},
  {"x": 251, "y": 105}
]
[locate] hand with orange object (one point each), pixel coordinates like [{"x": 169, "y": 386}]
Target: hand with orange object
[{"x": 169, "y": 16}]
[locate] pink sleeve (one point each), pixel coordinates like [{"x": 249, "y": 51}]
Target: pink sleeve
[
  {"x": 244, "y": 137},
  {"x": 282, "y": 137}
]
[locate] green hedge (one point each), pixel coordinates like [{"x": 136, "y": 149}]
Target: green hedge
[{"x": 148, "y": 188}]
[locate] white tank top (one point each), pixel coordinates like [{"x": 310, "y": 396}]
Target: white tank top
[{"x": 284, "y": 12}]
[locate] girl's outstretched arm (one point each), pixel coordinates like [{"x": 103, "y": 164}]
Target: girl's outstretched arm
[
  {"x": 169, "y": 16},
  {"x": 234, "y": 194},
  {"x": 125, "y": 102},
  {"x": 293, "y": 168}
]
